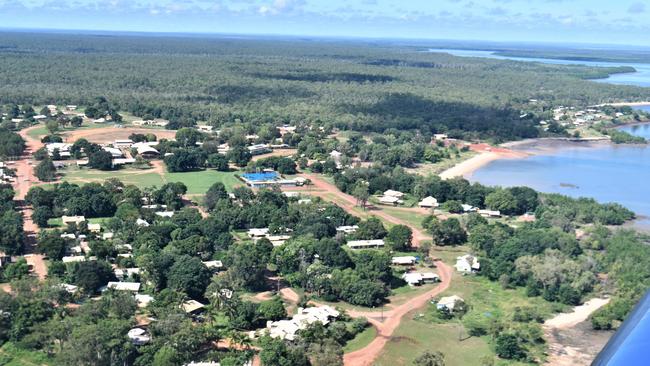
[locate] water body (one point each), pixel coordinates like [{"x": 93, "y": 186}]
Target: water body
[
  {"x": 606, "y": 173},
  {"x": 639, "y": 78}
]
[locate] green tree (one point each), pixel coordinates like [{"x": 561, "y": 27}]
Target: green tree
[
  {"x": 447, "y": 232},
  {"x": 52, "y": 245},
  {"x": 101, "y": 159},
  {"x": 502, "y": 200},
  {"x": 360, "y": 192},
  {"x": 45, "y": 171},
  {"x": 272, "y": 309},
  {"x": 239, "y": 155},
  {"x": 508, "y": 347},
  {"x": 370, "y": 229},
  {"x": 429, "y": 358},
  {"x": 189, "y": 275},
  {"x": 399, "y": 238}
]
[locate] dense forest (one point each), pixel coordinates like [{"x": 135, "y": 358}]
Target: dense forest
[{"x": 350, "y": 84}]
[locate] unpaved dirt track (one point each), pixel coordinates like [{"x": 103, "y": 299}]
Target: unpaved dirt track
[
  {"x": 25, "y": 178},
  {"x": 392, "y": 318}
]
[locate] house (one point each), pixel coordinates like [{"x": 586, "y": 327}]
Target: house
[
  {"x": 449, "y": 302},
  {"x": 107, "y": 236},
  {"x": 258, "y": 233},
  {"x": 124, "y": 286},
  {"x": 440, "y": 137},
  {"x": 204, "y": 128},
  {"x": 142, "y": 223},
  {"x": 347, "y": 229},
  {"x": 428, "y": 202},
  {"x": 366, "y": 244},
  {"x": 468, "y": 208},
  {"x": 287, "y": 329},
  {"x": 99, "y": 120},
  {"x": 213, "y": 265},
  {"x": 147, "y": 152},
  {"x": 389, "y": 200},
  {"x": 192, "y": 307},
  {"x": 39, "y": 117},
  {"x": 412, "y": 278},
  {"x": 123, "y": 144},
  {"x": 467, "y": 264},
  {"x": 115, "y": 153},
  {"x": 404, "y": 261},
  {"x": 336, "y": 156},
  {"x": 138, "y": 336},
  {"x": 259, "y": 149},
  {"x": 73, "y": 220},
  {"x": 126, "y": 273},
  {"x": 94, "y": 228},
  {"x": 489, "y": 213},
  {"x": 71, "y": 107},
  {"x": 73, "y": 259},
  {"x": 165, "y": 213},
  {"x": 430, "y": 277},
  {"x": 285, "y": 129},
  {"x": 392, "y": 193},
  {"x": 278, "y": 240}
]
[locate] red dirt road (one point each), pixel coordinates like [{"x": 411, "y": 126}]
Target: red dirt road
[
  {"x": 25, "y": 179},
  {"x": 392, "y": 318}
]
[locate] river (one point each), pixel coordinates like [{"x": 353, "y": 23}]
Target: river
[
  {"x": 639, "y": 78},
  {"x": 606, "y": 172}
]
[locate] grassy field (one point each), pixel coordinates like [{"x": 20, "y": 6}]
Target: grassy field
[
  {"x": 361, "y": 340},
  {"x": 12, "y": 356},
  {"x": 421, "y": 330},
  {"x": 197, "y": 182},
  {"x": 413, "y": 217},
  {"x": 58, "y": 222},
  {"x": 41, "y": 131},
  {"x": 200, "y": 182}
]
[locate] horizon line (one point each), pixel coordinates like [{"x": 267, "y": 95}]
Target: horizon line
[{"x": 79, "y": 31}]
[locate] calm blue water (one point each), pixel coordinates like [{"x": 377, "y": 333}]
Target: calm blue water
[
  {"x": 639, "y": 78},
  {"x": 608, "y": 174}
]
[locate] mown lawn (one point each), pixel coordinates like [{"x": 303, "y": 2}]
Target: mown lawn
[
  {"x": 12, "y": 356},
  {"x": 361, "y": 340},
  {"x": 200, "y": 182},
  {"x": 421, "y": 330},
  {"x": 412, "y": 218},
  {"x": 196, "y": 182}
]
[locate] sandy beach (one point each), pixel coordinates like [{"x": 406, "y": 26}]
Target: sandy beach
[{"x": 466, "y": 168}]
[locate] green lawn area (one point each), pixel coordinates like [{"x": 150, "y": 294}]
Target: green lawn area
[
  {"x": 414, "y": 336},
  {"x": 58, "y": 222},
  {"x": 361, "y": 340},
  {"x": 12, "y": 356},
  {"x": 200, "y": 182},
  {"x": 421, "y": 330},
  {"x": 410, "y": 217}
]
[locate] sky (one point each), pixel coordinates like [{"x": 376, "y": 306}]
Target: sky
[{"x": 555, "y": 21}]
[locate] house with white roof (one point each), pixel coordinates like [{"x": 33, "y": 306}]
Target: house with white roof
[
  {"x": 489, "y": 213},
  {"x": 347, "y": 229},
  {"x": 213, "y": 265},
  {"x": 428, "y": 202},
  {"x": 366, "y": 244},
  {"x": 449, "y": 302},
  {"x": 287, "y": 329},
  {"x": 115, "y": 153},
  {"x": 392, "y": 193},
  {"x": 404, "y": 261},
  {"x": 467, "y": 264},
  {"x": 389, "y": 200},
  {"x": 72, "y": 219},
  {"x": 258, "y": 233},
  {"x": 124, "y": 286}
]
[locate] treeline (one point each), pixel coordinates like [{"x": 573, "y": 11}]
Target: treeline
[
  {"x": 355, "y": 86},
  {"x": 11, "y": 223},
  {"x": 11, "y": 144}
]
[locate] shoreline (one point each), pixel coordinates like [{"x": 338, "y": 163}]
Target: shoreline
[
  {"x": 468, "y": 167},
  {"x": 525, "y": 148}
]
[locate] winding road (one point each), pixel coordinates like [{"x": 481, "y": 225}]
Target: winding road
[{"x": 388, "y": 321}]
